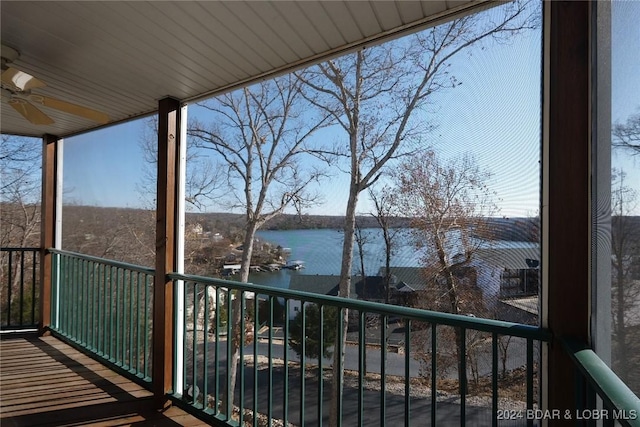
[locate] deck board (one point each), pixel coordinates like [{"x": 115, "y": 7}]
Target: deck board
[{"x": 45, "y": 382}]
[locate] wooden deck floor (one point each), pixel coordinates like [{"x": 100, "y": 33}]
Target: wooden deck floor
[{"x": 45, "y": 382}]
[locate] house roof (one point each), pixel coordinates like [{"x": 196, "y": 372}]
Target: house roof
[
  {"x": 512, "y": 255},
  {"x": 405, "y": 279},
  {"x": 528, "y": 304},
  {"x": 320, "y": 284},
  {"x": 120, "y": 58}
]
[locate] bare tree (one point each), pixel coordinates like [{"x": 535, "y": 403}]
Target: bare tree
[
  {"x": 20, "y": 166},
  {"x": 627, "y": 135},
  {"x": 20, "y": 163},
  {"x": 373, "y": 96},
  {"x": 625, "y": 263},
  {"x": 362, "y": 238},
  {"x": 260, "y": 134},
  {"x": 384, "y": 213},
  {"x": 448, "y": 202},
  {"x": 122, "y": 234},
  {"x": 203, "y": 179}
]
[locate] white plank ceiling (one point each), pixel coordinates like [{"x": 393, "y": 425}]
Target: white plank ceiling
[{"x": 122, "y": 57}]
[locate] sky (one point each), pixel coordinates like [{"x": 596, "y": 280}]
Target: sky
[
  {"x": 494, "y": 114},
  {"x": 625, "y": 80}
]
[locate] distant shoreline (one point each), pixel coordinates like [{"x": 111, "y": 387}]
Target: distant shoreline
[{"x": 522, "y": 228}]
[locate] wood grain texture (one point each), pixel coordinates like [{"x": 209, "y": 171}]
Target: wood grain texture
[{"x": 45, "y": 382}]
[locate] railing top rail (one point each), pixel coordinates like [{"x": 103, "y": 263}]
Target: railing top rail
[
  {"x": 26, "y": 249},
  {"x": 486, "y": 325},
  {"x": 611, "y": 389},
  {"x": 112, "y": 263}
]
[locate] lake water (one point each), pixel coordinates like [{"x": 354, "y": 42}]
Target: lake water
[{"x": 321, "y": 251}]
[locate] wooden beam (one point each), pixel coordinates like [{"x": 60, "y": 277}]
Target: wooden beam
[
  {"x": 166, "y": 211},
  {"x": 47, "y": 226},
  {"x": 569, "y": 170}
]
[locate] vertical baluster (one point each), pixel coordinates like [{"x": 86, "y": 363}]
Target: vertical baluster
[
  {"x": 58, "y": 263},
  {"x": 21, "y": 306},
  {"x": 89, "y": 314},
  {"x": 137, "y": 325},
  {"x": 142, "y": 278},
  {"x": 228, "y": 405},
  {"x": 303, "y": 362},
  {"x": 216, "y": 355},
  {"x": 340, "y": 367},
  {"x": 463, "y": 368},
  {"x": 147, "y": 298},
  {"x": 84, "y": 278},
  {"x": 68, "y": 282},
  {"x": 124, "y": 314},
  {"x": 241, "y": 367},
  {"x": 82, "y": 335},
  {"x": 320, "y": 356},
  {"x": 529, "y": 378},
  {"x": 77, "y": 327},
  {"x": 131, "y": 320},
  {"x": 86, "y": 284},
  {"x": 103, "y": 305},
  {"x": 126, "y": 276},
  {"x": 185, "y": 337},
  {"x": 81, "y": 302},
  {"x": 71, "y": 296},
  {"x": 64, "y": 283},
  {"x": 71, "y": 302},
  {"x": 205, "y": 350},
  {"x": 383, "y": 371},
  {"x": 98, "y": 307},
  {"x": 92, "y": 311},
  {"x": 111, "y": 311},
  {"x": 87, "y": 304},
  {"x": 285, "y": 349},
  {"x": 407, "y": 373},
  {"x": 362, "y": 345},
  {"x": 11, "y": 272},
  {"x": 103, "y": 309},
  {"x": 108, "y": 311},
  {"x": 434, "y": 367},
  {"x": 256, "y": 328},
  {"x": 270, "y": 363},
  {"x": 194, "y": 358},
  {"x": 55, "y": 292},
  {"x": 35, "y": 258},
  {"x": 610, "y": 420},
  {"x": 494, "y": 379},
  {"x": 76, "y": 298}
]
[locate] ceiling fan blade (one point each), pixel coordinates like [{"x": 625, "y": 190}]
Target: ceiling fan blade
[
  {"x": 68, "y": 107},
  {"x": 30, "y": 112},
  {"x": 20, "y": 80}
]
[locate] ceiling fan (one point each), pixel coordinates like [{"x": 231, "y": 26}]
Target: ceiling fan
[{"x": 16, "y": 91}]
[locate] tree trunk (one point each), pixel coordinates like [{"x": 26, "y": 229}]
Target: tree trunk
[
  {"x": 235, "y": 341},
  {"x": 344, "y": 290},
  {"x": 454, "y": 301},
  {"x": 387, "y": 264}
]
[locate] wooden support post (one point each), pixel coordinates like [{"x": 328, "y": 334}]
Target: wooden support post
[
  {"x": 168, "y": 146},
  {"x": 47, "y": 226},
  {"x": 569, "y": 171}
]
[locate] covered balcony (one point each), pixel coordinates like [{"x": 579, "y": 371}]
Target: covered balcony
[{"x": 92, "y": 341}]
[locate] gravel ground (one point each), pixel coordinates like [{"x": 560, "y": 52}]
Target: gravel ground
[{"x": 393, "y": 385}]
